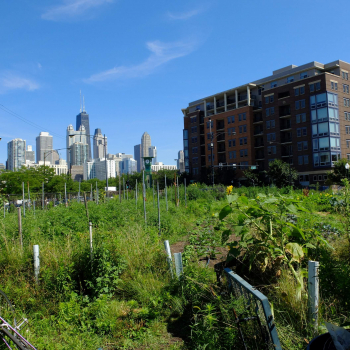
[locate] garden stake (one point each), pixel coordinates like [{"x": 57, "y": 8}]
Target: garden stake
[
  {"x": 28, "y": 196},
  {"x": 158, "y": 205},
  {"x": 24, "y": 207},
  {"x": 178, "y": 192},
  {"x": 124, "y": 187},
  {"x": 20, "y": 227},
  {"x": 36, "y": 263},
  {"x": 91, "y": 198},
  {"x": 166, "y": 194},
  {"x": 4, "y": 210},
  {"x": 86, "y": 207},
  {"x": 136, "y": 193},
  {"x": 34, "y": 206},
  {"x": 42, "y": 198},
  {"x": 313, "y": 290},
  {"x": 96, "y": 193},
  {"x": 153, "y": 196},
  {"x": 185, "y": 193},
  {"x": 79, "y": 193},
  {"x": 144, "y": 202},
  {"x": 169, "y": 260},
  {"x": 178, "y": 264},
  {"x": 65, "y": 194},
  {"x": 90, "y": 232},
  {"x": 120, "y": 191}
]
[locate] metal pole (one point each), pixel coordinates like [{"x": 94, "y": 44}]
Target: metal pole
[
  {"x": 211, "y": 148},
  {"x": 65, "y": 194},
  {"x": 43, "y": 197},
  {"x": 178, "y": 191},
  {"x": 28, "y": 196},
  {"x": 36, "y": 263},
  {"x": 90, "y": 232},
  {"x": 120, "y": 190},
  {"x": 158, "y": 205},
  {"x": 313, "y": 289},
  {"x": 34, "y": 206},
  {"x": 124, "y": 188},
  {"x": 91, "y": 198},
  {"x": 20, "y": 227},
  {"x": 185, "y": 193},
  {"x": 96, "y": 193},
  {"x": 166, "y": 194},
  {"x": 178, "y": 264},
  {"x": 144, "y": 202},
  {"x": 136, "y": 191},
  {"x": 4, "y": 210},
  {"x": 79, "y": 193},
  {"x": 169, "y": 260},
  {"x": 104, "y": 137}
]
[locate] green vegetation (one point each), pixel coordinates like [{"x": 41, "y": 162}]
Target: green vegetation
[{"x": 124, "y": 297}]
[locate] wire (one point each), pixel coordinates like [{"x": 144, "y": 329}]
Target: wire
[{"x": 14, "y": 114}]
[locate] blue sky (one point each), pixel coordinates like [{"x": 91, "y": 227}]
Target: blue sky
[{"x": 139, "y": 62}]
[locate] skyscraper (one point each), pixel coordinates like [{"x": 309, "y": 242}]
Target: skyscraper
[
  {"x": 145, "y": 145},
  {"x": 153, "y": 153},
  {"x": 99, "y": 142},
  {"x": 76, "y": 137},
  {"x": 181, "y": 161},
  {"x": 30, "y": 154},
  {"x": 83, "y": 119},
  {"x": 137, "y": 156},
  {"x": 44, "y": 144},
  {"x": 16, "y": 154}
]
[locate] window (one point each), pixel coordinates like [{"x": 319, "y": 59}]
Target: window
[
  {"x": 300, "y": 146},
  {"x": 272, "y": 110},
  {"x": 304, "y": 131},
  {"x": 271, "y": 98},
  {"x": 228, "y": 120},
  {"x": 272, "y": 124},
  {"x": 267, "y": 112},
  {"x": 299, "y": 132},
  {"x": 267, "y": 99},
  {"x": 296, "y": 92},
  {"x": 314, "y": 177},
  {"x": 299, "y": 91},
  {"x": 193, "y": 119},
  {"x": 208, "y": 124},
  {"x": 209, "y": 147},
  {"x": 347, "y": 115},
  {"x": 299, "y": 104},
  {"x": 268, "y": 124},
  {"x": 193, "y": 129},
  {"x": 271, "y": 150},
  {"x": 303, "y": 75},
  {"x": 244, "y": 128},
  {"x": 346, "y": 102},
  {"x": 271, "y": 137},
  {"x": 273, "y": 84},
  {"x": 243, "y": 141},
  {"x": 194, "y": 149},
  {"x": 345, "y": 75},
  {"x": 194, "y": 139},
  {"x": 334, "y": 85},
  {"x": 312, "y": 87},
  {"x": 243, "y": 153},
  {"x": 300, "y": 160},
  {"x": 240, "y": 129},
  {"x": 305, "y": 145},
  {"x": 347, "y": 143},
  {"x": 231, "y": 130},
  {"x": 318, "y": 86},
  {"x": 346, "y": 88},
  {"x": 335, "y": 144},
  {"x": 334, "y": 128},
  {"x": 306, "y": 159},
  {"x": 301, "y": 118},
  {"x": 290, "y": 79},
  {"x": 233, "y": 142},
  {"x": 209, "y": 135}
]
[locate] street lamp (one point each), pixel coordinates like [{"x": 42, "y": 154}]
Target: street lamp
[{"x": 347, "y": 166}]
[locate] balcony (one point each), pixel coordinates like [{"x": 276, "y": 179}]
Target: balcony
[
  {"x": 230, "y": 100},
  {"x": 259, "y": 143},
  {"x": 210, "y": 106},
  {"x": 287, "y": 125},
  {"x": 286, "y": 138},
  {"x": 220, "y": 103},
  {"x": 242, "y": 97},
  {"x": 259, "y": 156},
  {"x": 284, "y": 111},
  {"x": 258, "y": 131},
  {"x": 220, "y": 125},
  {"x": 258, "y": 118},
  {"x": 220, "y": 137}
]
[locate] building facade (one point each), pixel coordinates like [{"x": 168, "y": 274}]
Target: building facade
[
  {"x": 16, "y": 154},
  {"x": 99, "y": 143},
  {"x": 30, "y": 154},
  {"x": 96, "y": 169},
  {"x": 137, "y": 156},
  {"x": 128, "y": 166},
  {"x": 298, "y": 114},
  {"x": 153, "y": 153},
  {"x": 160, "y": 166},
  {"x": 181, "y": 161},
  {"x": 44, "y": 147},
  {"x": 145, "y": 145},
  {"x": 83, "y": 120},
  {"x": 81, "y": 151}
]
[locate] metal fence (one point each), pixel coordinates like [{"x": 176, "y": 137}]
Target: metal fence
[{"x": 253, "y": 315}]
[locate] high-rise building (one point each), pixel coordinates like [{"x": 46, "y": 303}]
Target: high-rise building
[
  {"x": 55, "y": 157},
  {"x": 298, "y": 114},
  {"x": 79, "y": 153},
  {"x": 160, "y": 166},
  {"x": 129, "y": 166},
  {"x": 44, "y": 147},
  {"x": 16, "y": 154},
  {"x": 96, "y": 169},
  {"x": 145, "y": 145},
  {"x": 153, "y": 153},
  {"x": 30, "y": 154},
  {"x": 181, "y": 161},
  {"x": 137, "y": 156},
  {"x": 83, "y": 120},
  {"x": 2, "y": 166},
  {"x": 76, "y": 137},
  {"x": 99, "y": 142}
]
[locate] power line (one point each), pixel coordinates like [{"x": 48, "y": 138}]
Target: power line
[{"x": 14, "y": 114}]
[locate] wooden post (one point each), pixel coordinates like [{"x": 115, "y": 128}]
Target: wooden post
[
  {"x": 86, "y": 206},
  {"x": 4, "y": 209},
  {"x": 90, "y": 233},
  {"x": 166, "y": 194},
  {"x": 36, "y": 263},
  {"x": 65, "y": 194},
  {"x": 79, "y": 193},
  {"x": 28, "y": 196},
  {"x": 169, "y": 260},
  {"x": 91, "y": 198},
  {"x": 153, "y": 196},
  {"x": 96, "y": 193},
  {"x": 23, "y": 198},
  {"x": 136, "y": 192},
  {"x": 120, "y": 190},
  {"x": 313, "y": 291},
  {"x": 20, "y": 227},
  {"x": 144, "y": 202},
  {"x": 124, "y": 188},
  {"x": 178, "y": 192},
  {"x": 158, "y": 207},
  {"x": 43, "y": 197},
  {"x": 34, "y": 206},
  {"x": 185, "y": 193}
]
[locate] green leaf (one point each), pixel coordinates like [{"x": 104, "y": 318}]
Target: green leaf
[
  {"x": 309, "y": 245},
  {"x": 232, "y": 198},
  {"x": 270, "y": 200},
  {"x": 226, "y": 210},
  {"x": 296, "y": 232},
  {"x": 292, "y": 208},
  {"x": 225, "y": 236},
  {"x": 238, "y": 229},
  {"x": 295, "y": 250},
  {"x": 232, "y": 254},
  {"x": 243, "y": 200}
]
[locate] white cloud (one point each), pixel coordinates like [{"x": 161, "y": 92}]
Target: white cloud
[
  {"x": 184, "y": 15},
  {"x": 12, "y": 81},
  {"x": 71, "y": 9},
  {"x": 161, "y": 53}
]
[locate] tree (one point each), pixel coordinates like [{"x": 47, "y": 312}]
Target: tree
[
  {"x": 281, "y": 173},
  {"x": 252, "y": 177},
  {"x": 339, "y": 172}
]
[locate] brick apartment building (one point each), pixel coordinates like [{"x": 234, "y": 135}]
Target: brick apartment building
[{"x": 300, "y": 114}]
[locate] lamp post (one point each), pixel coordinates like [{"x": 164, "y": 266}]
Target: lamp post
[{"x": 347, "y": 166}]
